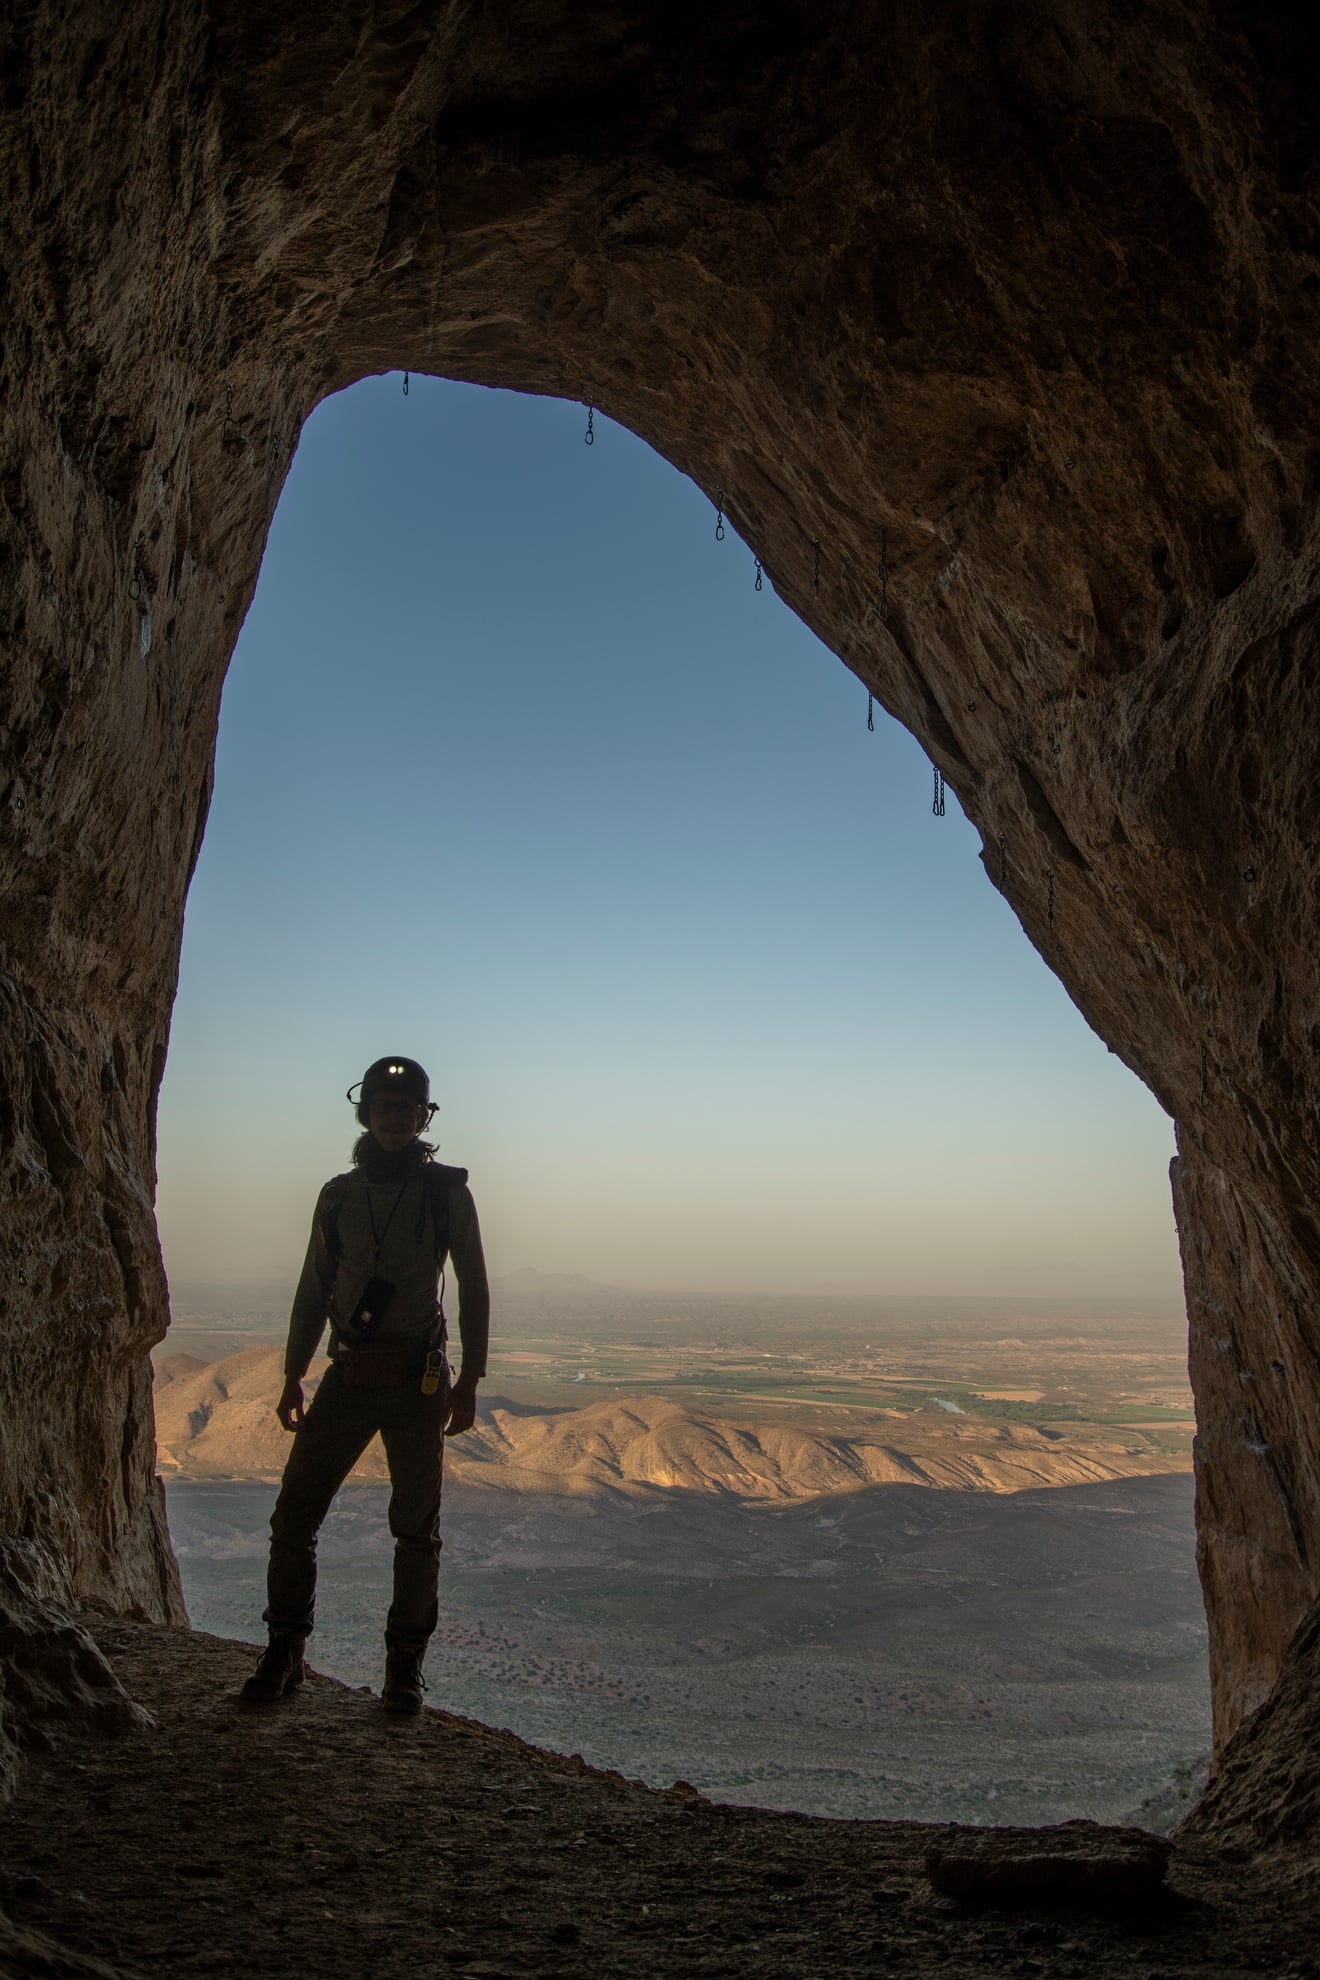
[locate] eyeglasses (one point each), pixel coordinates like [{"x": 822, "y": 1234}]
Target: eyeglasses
[{"x": 381, "y": 1103}]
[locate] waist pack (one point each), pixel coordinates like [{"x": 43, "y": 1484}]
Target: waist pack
[{"x": 379, "y": 1367}]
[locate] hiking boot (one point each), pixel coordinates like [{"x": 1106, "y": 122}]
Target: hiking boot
[
  {"x": 280, "y": 1669},
  {"x": 404, "y": 1683}
]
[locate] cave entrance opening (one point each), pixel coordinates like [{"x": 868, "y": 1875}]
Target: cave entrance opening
[
  {"x": 520, "y": 773},
  {"x": 515, "y": 759}
]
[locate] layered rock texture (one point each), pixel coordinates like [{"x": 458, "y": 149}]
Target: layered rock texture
[{"x": 996, "y": 326}]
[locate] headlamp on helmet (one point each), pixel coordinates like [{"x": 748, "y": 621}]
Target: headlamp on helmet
[{"x": 396, "y": 1075}]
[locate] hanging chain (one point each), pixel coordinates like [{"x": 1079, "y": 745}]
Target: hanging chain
[
  {"x": 815, "y": 567},
  {"x": 758, "y": 573},
  {"x": 231, "y": 434},
  {"x": 405, "y": 384},
  {"x": 1049, "y": 899},
  {"x": 1003, "y": 861},
  {"x": 884, "y": 573},
  {"x": 870, "y": 711},
  {"x": 135, "y": 581},
  {"x": 719, "y": 515},
  {"x": 938, "y": 806},
  {"x": 589, "y": 437}
]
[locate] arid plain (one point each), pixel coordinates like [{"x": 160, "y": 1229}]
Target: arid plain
[{"x": 874, "y": 1557}]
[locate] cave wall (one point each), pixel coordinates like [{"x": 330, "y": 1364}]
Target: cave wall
[{"x": 1018, "y": 297}]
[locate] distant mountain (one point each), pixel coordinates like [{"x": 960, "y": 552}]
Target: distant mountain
[
  {"x": 219, "y": 1422},
  {"x": 527, "y": 1279}
]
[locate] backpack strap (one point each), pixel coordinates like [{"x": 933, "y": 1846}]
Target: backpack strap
[
  {"x": 440, "y": 1180},
  {"x": 328, "y": 1205}
]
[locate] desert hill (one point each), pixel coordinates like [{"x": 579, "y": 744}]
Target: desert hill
[
  {"x": 218, "y": 1421},
  {"x": 168, "y": 1368}
]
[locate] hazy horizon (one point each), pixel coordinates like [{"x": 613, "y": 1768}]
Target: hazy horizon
[{"x": 189, "y": 1286}]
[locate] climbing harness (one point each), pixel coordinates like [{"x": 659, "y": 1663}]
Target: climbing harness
[
  {"x": 938, "y": 805},
  {"x": 719, "y": 515},
  {"x": 589, "y": 437},
  {"x": 758, "y": 574}
]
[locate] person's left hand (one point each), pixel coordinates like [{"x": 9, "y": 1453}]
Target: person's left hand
[{"x": 462, "y": 1406}]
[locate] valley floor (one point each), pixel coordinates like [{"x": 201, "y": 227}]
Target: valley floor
[
  {"x": 888, "y": 1652},
  {"x": 324, "y": 1838}
]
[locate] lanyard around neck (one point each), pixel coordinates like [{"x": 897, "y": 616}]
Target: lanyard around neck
[{"x": 380, "y": 1236}]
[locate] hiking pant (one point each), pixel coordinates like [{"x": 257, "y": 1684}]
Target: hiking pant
[{"x": 337, "y": 1428}]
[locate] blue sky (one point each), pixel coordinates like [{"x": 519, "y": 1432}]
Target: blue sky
[{"x": 518, "y": 774}]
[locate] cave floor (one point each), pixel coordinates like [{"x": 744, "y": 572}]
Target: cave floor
[{"x": 322, "y": 1837}]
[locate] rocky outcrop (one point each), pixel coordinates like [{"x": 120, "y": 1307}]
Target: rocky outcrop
[
  {"x": 1265, "y": 1797},
  {"x": 53, "y": 1672},
  {"x": 1078, "y": 1863},
  {"x": 995, "y": 326},
  {"x": 1253, "y": 1334}
]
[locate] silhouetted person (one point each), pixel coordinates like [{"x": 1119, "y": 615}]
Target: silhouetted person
[{"x": 380, "y": 1237}]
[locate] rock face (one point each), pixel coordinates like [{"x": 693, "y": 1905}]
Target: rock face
[
  {"x": 53, "y": 1671},
  {"x": 996, "y": 326},
  {"x": 1264, "y": 1800},
  {"x": 1265, "y": 1797}
]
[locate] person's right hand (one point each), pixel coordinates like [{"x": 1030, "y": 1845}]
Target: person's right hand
[{"x": 289, "y": 1408}]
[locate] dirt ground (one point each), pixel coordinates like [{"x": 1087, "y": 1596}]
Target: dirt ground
[{"x": 324, "y": 1838}]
